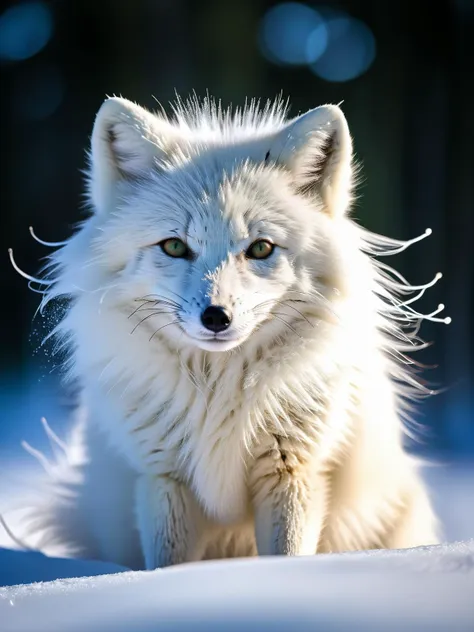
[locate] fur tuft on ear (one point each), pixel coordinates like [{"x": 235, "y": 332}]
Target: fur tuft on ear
[
  {"x": 127, "y": 140},
  {"x": 317, "y": 148}
]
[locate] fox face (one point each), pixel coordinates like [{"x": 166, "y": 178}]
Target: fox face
[
  {"x": 206, "y": 231},
  {"x": 213, "y": 269}
]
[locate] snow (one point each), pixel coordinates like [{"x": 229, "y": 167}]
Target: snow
[
  {"x": 428, "y": 588},
  {"x": 452, "y": 490},
  {"x": 21, "y": 567}
]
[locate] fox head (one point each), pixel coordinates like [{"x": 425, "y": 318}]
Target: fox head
[{"x": 210, "y": 226}]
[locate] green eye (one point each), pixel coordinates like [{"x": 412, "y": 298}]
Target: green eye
[
  {"x": 175, "y": 248},
  {"x": 260, "y": 249}
]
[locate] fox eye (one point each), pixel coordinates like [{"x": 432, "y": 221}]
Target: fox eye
[
  {"x": 260, "y": 249},
  {"x": 175, "y": 248}
]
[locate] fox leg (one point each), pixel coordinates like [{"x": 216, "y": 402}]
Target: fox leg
[
  {"x": 163, "y": 509},
  {"x": 289, "y": 501}
]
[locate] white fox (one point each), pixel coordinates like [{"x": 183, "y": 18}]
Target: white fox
[{"x": 239, "y": 347}]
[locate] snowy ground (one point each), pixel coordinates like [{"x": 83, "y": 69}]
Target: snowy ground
[{"x": 428, "y": 589}]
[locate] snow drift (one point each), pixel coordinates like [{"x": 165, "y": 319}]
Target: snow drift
[{"x": 428, "y": 588}]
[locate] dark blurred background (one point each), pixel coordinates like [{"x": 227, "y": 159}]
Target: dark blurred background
[{"x": 404, "y": 70}]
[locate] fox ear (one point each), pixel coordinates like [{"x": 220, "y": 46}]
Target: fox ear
[
  {"x": 317, "y": 148},
  {"x": 127, "y": 140}
]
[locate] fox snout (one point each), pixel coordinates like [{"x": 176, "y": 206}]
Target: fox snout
[{"x": 216, "y": 318}]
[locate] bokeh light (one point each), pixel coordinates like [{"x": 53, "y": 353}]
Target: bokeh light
[
  {"x": 316, "y": 43},
  {"x": 25, "y": 29},
  {"x": 334, "y": 45},
  {"x": 284, "y": 32},
  {"x": 349, "y": 52}
]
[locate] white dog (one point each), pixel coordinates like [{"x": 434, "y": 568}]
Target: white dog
[{"x": 239, "y": 348}]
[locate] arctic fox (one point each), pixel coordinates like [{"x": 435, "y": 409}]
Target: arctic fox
[{"x": 239, "y": 347}]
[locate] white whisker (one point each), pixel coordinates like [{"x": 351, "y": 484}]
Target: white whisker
[
  {"x": 54, "y": 440},
  {"x": 379, "y": 241},
  {"x": 50, "y": 244},
  {"x": 24, "y": 274},
  {"x": 39, "y": 456}
]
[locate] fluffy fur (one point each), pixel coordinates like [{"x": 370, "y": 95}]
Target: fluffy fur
[{"x": 281, "y": 435}]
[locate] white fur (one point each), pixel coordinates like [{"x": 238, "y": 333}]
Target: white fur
[{"x": 282, "y": 435}]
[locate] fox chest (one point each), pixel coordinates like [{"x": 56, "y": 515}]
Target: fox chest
[
  {"x": 203, "y": 446},
  {"x": 216, "y": 472}
]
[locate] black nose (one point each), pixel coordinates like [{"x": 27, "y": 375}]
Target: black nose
[{"x": 216, "y": 318}]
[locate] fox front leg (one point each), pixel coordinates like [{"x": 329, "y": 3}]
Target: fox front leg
[
  {"x": 289, "y": 502},
  {"x": 163, "y": 512}
]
